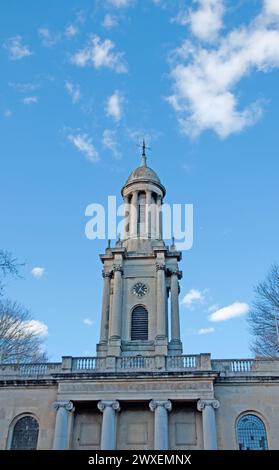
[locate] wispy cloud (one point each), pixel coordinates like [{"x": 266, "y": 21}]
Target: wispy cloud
[
  {"x": 120, "y": 3},
  {"x": 71, "y": 31},
  {"x": 110, "y": 21},
  {"x": 205, "y": 78},
  {"x": 114, "y": 106},
  {"x": 207, "y": 20},
  {"x": 24, "y": 87},
  {"x": 38, "y": 272},
  {"x": 110, "y": 142},
  {"x": 83, "y": 143},
  {"x": 36, "y": 327},
  {"x": 205, "y": 331},
  {"x": 193, "y": 296},
  {"x": 16, "y": 49},
  {"x": 30, "y": 100},
  {"x": 48, "y": 38},
  {"x": 8, "y": 113},
  {"x": 73, "y": 91},
  {"x": 237, "y": 309},
  {"x": 88, "y": 322},
  {"x": 100, "y": 54}
]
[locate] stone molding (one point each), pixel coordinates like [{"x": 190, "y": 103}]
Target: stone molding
[
  {"x": 114, "y": 404},
  {"x": 203, "y": 403},
  {"x": 164, "y": 403}
]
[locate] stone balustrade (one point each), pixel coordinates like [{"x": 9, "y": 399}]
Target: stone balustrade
[{"x": 181, "y": 363}]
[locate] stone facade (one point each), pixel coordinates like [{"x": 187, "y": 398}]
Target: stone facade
[{"x": 140, "y": 392}]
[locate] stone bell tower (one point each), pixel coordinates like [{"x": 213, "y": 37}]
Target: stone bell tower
[{"x": 140, "y": 309}]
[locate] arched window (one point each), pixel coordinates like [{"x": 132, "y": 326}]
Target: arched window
[
  {"x": 251, "y": 433},
  {"x": 25, "y": 434},
  {"x": 139, "y": 328}
]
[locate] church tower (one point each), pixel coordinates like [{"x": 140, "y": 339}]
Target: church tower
[{"x": 140, "y": 308}]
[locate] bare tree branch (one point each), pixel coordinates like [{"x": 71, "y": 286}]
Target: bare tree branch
[
  {"x": 18, "y": 342},
  {"x": 8, "y": 266},
  {"x": 264, "y": 316}
]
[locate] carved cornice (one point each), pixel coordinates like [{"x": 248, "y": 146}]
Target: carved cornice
[
  {"x": 164, "y": 403},
  {"x": 114, "y": 404},
  {"x": 68, "y": 405},
  {"x": 203, "y": 403}
]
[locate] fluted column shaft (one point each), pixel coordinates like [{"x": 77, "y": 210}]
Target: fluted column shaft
[
  {"x": 105, "y": 307},
  {"x": 148, "y": 214},
  {"x": 61, "y": 433},
  {"x": 208, "y": 407},
  {"x": 161, "y": 300},
  {"x": 159, "y": 218},
  {"x": 175, "y": 321},
  {"x": 134, "y": 215},
  {"x": 127, "y": 223},
  {"x": 116, "y": 303},
  {"x": 108, "y": 436},
  {"x": 161, "y": 433}
]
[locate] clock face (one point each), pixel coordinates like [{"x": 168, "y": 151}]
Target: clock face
[{"x": 139, "y": 289}]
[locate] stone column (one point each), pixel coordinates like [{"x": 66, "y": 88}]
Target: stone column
[
  {"x": 159, "y": 218},
  {"x": 108, "y": 436},
  {"x": 175, "y": 321},
  {"x": 161, "y": 436},
  {"x": 208, "y": 407},
  {"x": 134, "y": 215},
  {"x": 61, "y": 433},
  {"x": 105, "y": 307},
  {"x": 148, "y": 213},
  {"x": 127, "y": 222},
  {"x": 161, "y": 300},
  {"x": 116, "y": 303}
]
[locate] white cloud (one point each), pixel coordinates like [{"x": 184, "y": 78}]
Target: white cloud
[
  {"x": 110, "y": 21},
  {"x": 213, "y": 308},
  {"x": 100, "y": 54},
  {"x": 88, "y": 322},
  {"x": 16, "y": 49},
  {"x": 23, "y": 87},
  {"x": 237, "y": 309},
  {"x": 114, "y": 106},
  {"x": 205, "y": 78},
  {"x": 38, "y": 272},
  {"x": 47, "y": 37},
  {"x": 192, "y": 296},
  {"x": 206, "y": 331},
  {"x": 271, "y": 7},
  {"x": 36, "y": 327},
  {"x": 30, "y": 100},
  {"x": 207, "y": 20},
  {"x": 109, "y": 141},
  {"x": 73, "y": 91},
  {"x": 71, "y": 31},
  {"x": 8, "y": 113},
  {"x": 84, "y": 145},
  {"x": 119, "y": 3}
]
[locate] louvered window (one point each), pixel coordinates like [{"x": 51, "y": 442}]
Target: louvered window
[
  {"x": 139, "y": 329},
  {"x": 25, "y": 434},
  {"x": 141, "y": 214}
]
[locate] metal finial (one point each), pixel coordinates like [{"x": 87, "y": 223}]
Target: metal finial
[
  {"x": 143, "y": 148},
  {"x": 143, "y": 152}
]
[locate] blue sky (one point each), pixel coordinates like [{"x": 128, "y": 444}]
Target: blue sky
[{"x": 81, "y": 82}]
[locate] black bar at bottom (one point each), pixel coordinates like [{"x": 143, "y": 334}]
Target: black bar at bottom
[{"x": 119, "y": 459}]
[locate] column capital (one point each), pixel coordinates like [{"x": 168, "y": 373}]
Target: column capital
[
  {"x": 68, "y": 405},
  {"x": 164, "y": 403},
  {"x": 117, "y": 268},
  {"x": 203, "y": 403},
  {"x": 160, "y": 266},
  {"x": 106, "y": 274},
  {"x": 114, "y": 404},
  {"x": 175, "y": 272}
]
